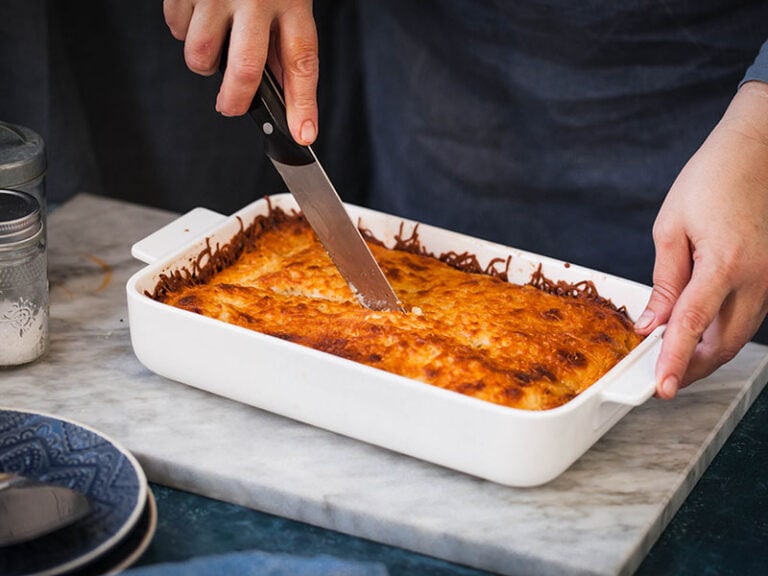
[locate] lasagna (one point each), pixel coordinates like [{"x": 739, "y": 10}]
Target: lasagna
[{"x": 466, "y": 329}]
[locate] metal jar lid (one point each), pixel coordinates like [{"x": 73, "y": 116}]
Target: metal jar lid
[
  {"x": 19, "y": 216},
  {"x": 22, "y": 155}
]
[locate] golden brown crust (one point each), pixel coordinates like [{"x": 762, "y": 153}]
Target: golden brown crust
[{"x": 472, "y": 333}]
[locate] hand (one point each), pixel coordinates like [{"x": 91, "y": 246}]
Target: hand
[
  {"x": 280, "y": 32},
  {"x": 710, "y": 280}
]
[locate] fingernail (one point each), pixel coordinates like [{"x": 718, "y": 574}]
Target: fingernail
[
  {"x": 669, "y": 387},
  {"x": 308, "y": 131},
  {"x": 218, "y": 108},
  {"x": 645, "y": 320}
]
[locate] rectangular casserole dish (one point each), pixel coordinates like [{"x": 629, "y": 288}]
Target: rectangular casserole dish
[{"x": 505, "y": 445}]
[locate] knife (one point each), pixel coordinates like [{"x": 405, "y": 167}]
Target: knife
[
  {"x": 318, "y": 199},
  {"x": 29, "y": 508}
]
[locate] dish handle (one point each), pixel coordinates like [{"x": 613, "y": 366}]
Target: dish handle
[
  {"x": 630, "y": 383},
  {"x": 176, "y": 234},
  {"x": 635, "y": 382}
]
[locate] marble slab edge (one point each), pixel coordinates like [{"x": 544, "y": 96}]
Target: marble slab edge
[{"x": 720, "y": 435}]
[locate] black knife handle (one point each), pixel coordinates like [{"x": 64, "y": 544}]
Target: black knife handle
[{"x": 268, "y": 111}]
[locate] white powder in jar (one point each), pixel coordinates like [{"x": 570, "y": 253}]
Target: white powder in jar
[{"x": 23, "y": 332}]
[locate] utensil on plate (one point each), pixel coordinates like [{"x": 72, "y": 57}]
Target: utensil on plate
[
  {"x": 318, "y": 199},
  {"x": 29, "y": 508}
]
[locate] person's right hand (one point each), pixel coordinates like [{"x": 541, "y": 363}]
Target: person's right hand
[
  {"x": 281, "y": 33},
  {"x": 710, "y": 285}
]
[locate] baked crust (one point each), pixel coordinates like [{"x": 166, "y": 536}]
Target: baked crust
[{"x": 474, "y": 333}]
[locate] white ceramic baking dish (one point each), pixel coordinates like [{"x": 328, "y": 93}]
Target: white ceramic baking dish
[{"x": 505, "y": 445}]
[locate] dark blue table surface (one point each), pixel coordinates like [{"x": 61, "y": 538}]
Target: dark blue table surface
[{"x": 721, "y": 529}]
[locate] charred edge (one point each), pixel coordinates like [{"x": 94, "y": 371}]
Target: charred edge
[
  {"x": 210, "y": 262},
  {"x": 585, "y": 290},
  {"x": 368, "y": 236},
  {"x": 411, "y": 244},
  {"x": 466, "y": 262}
]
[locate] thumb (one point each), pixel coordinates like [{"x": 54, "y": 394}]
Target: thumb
[{"x": 671, "y": 273}]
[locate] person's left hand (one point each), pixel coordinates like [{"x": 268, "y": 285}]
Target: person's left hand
[{"x": 710, "y": 280}]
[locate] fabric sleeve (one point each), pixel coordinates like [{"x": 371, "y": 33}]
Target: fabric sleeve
[{"x": 759, "y": 68}]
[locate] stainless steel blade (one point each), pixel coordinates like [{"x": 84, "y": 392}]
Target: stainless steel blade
[
  {"x": 29, "y": 509},
  {"x": 325, "y": 212}
]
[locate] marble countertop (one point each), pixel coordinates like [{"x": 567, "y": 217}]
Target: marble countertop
[{"x": 600, "y": 517}]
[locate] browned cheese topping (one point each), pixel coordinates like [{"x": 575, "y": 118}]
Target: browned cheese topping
[{"x": 532, "y": 346}]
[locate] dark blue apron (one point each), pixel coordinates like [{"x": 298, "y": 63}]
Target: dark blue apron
[{"x": 550, "y": 125}]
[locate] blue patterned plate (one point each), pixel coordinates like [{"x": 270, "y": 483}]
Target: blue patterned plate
[{"x": 63, "y": 452}]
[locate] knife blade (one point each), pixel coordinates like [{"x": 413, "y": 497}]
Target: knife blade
[
  {"x": 319, "y": 202},
  {"x": 29, "y": 508}
]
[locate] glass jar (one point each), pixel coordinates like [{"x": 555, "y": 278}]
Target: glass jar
[
  {"x": 23, "y": 280},
  {"x": 23, "y": 162}
]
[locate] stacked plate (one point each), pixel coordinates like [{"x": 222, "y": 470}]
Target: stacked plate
[{"x": 58, "y": 452}]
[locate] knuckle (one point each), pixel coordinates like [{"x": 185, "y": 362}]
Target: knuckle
[
  {"x": 176, "y": 26},
  {"x": 178, "y": 31},
  {"x": 246, "y": 72},
  {"x": 705, "y": 363},
  {"x": 304, "y": 61},
  {"x": 303, "y": 103},
  {"x": 665, "y": 292},
  {"x": 663, "y": 235},
  {"x": 726, "y": 354},
  {"x": 729, "y": 346},
  {"x": 693, "y": 322},
  {"x": 200, "y": 54},
  {"x": 729, "y": 262}
]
